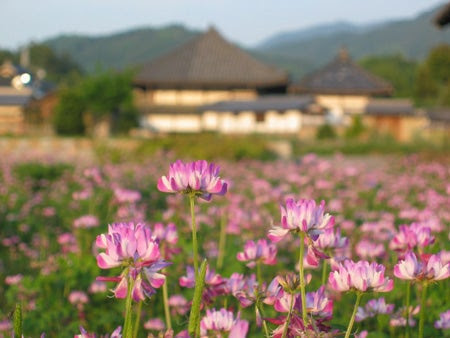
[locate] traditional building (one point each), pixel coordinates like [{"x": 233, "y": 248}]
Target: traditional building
[
  {"x": 342, "y": 87},
  {"x": 206, "y": 70},
  {"x": 396, "y": 117}
]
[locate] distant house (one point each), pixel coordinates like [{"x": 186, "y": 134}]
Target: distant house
[
  {"x": 342, "y": 87},
  {"x": 206, "y": 70},
  {"x": 396, "y": 117},
  {"x": 13, "y": 99}
]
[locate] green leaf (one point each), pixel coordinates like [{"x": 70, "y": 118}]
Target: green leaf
[
  {"x": 194, "y": 317},
  {"x": 18, "y": 321}
]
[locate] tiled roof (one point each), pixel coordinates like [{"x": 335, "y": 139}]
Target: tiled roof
[
  {"x": 439, "y": 115},
  {"x": 343, "y": 76},
  {"x": 209, "y": 61},
  {"x": 263, "y": 104},
  {"x": 389, "y": 107},
  {"x": 14, "y": 100}
]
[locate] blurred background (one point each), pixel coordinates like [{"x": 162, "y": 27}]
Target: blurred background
[{"x": 288, "y": 77}]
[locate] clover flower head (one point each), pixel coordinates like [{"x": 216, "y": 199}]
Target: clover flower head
[{"x": 198, "y": 178}]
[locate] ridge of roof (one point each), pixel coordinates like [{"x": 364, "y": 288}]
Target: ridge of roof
[
  {"x": 209, "y": 60},
  {"x": 343, "y": 76}
]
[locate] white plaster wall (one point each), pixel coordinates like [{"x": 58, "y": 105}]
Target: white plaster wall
[{"x": 174, "y": 123}]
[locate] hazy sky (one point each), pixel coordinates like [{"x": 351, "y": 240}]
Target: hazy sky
[{"x": 243, "y": 21}]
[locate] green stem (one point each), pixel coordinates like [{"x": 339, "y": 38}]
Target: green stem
[
  {"x": 288, "y": 319},
  {"x": 138, "y": 319},
  {"x": 194, "y": 234},
  {"x": 324, "y": 272},
  {"x": 258, "y": 274},
  {"x": 422, "y": 308},
  {"x": 352, "y": 319},
  {"x": 258, "y": 307},
  {"x": 222, "y": 241},
  {"x": 128, "y": 325},
  {"x": 166, "y": 306},
  {"x": 302, "y": 277},
  {"x": 408, "y": 297}
]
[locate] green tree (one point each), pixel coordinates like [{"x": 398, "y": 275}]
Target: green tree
[
  {"x": 68, "y": 118},
  {"x": 432, "y": 87},
  {"x": 58, "y": 68},
  {"x": 395, "y": 69},
  {"x": 105, "y": 95}
]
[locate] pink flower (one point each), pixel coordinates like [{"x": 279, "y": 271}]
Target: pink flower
[
  {"x": 373, "y": 308},
  {"x": 78, "y": 297},
  {"x": 428, "y": 268},
  {"x": 262, "y": 251},
  {"x": 399, "y": 317},
  {"x": 131, "y": 246},
  {"x": 302, "y": 216},
  {"x": 199, "y": 178},
  {"x": 444, "y": 321},
  {"x": 84, "y": 334},
  {"x": 86, "y": 221},
  {"x": 126, "y": 196},
  {"x": 362, "y": 276},
  {"x": 409, "y": 237},
  {"x": 179, "y": 304},
  {"x": 14, "y": 279},
  {"x": 215, "y": 323},
  {"x": 329, "y": 239},
  {"x": 318, "y": 304},
  {"x": 367, "y": 249},
  {"x": 215, "y": 285},
  {"x": 154, "y": 324}
]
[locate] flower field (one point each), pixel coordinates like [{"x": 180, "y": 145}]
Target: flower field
[{"x": 312, "y": 247}]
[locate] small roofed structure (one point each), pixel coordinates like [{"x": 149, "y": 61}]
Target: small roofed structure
[
  {"x": 396, "y": 117},
  {"x": 343, "y": 77},
  {"x": 443, "y": 16},
  {"x": 342, "y": 86}
]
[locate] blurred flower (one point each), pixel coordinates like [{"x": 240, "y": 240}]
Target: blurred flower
[
  {"x": 86, "y": 221},
  {"x": 361, "y": 276},
  {"x": 126, "y": 196},
  {"x": 199, "y": 178},
  {"x": 14, "y": 279},
  {"x": 179, "y": 304},
  {"x": 373, "y": 308},
  {"x": 444, "y": 321},
  {"x": 78, "y": 297},
  {"x": 409, "y": 237},
  {"x": 262, "y": 251},
  {"x": 366, "y": 249},
  {"x": 399, "y": 317},
  {"x": 155, "y": 324},
  {"x": 84, "y": 334},
  {"x": 215, "y": 323}
]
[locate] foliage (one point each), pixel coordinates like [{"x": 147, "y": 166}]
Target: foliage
[
  {"x": 356, "y": 128},
  {"x": 326, "y": 131},
  {"x": 58, "y": 68},
  {"x": 432, "y": 87},
  {"x": 395, "y": 69},
  {"x": 68, "y": 118},
  {"x": 105, "y": 95}
]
